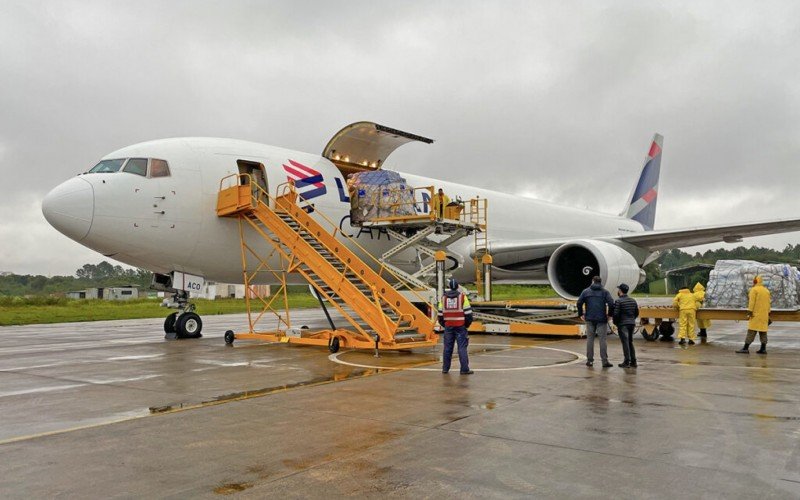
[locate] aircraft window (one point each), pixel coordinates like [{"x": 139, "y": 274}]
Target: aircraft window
[
  {"x": 106, "y": 166},
  {"x": 159, "y": 168},
  {"x": 136, "y": 166}
]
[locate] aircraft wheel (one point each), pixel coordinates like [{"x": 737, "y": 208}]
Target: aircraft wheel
[
  {"x": 334, "y": 345},
  {"x": 189, "y": 326},
  {"x": 229, "y": 337},
  {"x": 169, "y": 323}
]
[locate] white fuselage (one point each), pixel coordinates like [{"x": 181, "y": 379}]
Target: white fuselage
[{"x": 170, "y": 223}]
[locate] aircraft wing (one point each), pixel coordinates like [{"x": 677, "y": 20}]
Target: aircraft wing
[
  {"x": 679, "y": 238},
  {"x": 539, "y": 250}
]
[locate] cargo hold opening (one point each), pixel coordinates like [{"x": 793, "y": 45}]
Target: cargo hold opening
[{"x": 363, "y": 146}]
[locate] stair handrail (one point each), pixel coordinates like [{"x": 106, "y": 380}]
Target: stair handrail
[{"x": 382, "y": 267}]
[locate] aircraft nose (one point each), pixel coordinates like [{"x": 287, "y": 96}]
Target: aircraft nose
[{"x": 69, "y": 207}]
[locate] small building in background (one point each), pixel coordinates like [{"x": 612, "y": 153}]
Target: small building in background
[{"x": 128, "y": 292}]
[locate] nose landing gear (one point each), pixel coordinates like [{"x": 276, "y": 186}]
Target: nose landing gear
[{"x": 185, "y": 323}]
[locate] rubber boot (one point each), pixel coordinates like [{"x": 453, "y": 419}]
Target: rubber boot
[
  {"x": 745, "y": 349},
  {"x": 763, "y": 349},
  {"x": 703, "y": 334}
]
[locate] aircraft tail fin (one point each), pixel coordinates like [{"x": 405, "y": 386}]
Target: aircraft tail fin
[{"x": 642, "y": 203}]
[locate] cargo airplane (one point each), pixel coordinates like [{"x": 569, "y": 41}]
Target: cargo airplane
[{"x": 152, "y": 205}]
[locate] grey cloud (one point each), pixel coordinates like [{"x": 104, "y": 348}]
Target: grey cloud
[{"x": 560, "y": 98}]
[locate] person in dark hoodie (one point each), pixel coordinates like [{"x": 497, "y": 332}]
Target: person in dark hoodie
[
  {"x": 599, "y": 307},
  {"x": 626, "y": 310},
  {"x": 455, "y": 315}
]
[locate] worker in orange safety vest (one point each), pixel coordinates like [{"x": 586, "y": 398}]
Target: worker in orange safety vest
[{"x": 455, "y": 315}]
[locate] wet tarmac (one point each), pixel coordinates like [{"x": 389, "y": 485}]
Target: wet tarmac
[{"x": 111, "y": 409}]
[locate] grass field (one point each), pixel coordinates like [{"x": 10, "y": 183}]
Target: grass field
[
  {"x": 24, "y": 311},
  {"x": 32, "y": 310}
]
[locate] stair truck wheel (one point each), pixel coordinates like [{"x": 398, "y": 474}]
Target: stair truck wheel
[
  {"x": 334, "y": 345},
  {"x": 169, "y": 323},
  {"x": 229, "y": 337},
  {"x": 189, "y": 326}
]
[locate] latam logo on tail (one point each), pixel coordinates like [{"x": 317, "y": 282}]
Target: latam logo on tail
[
  {"x": 308, "y": 182},
  {"x": 642, "y": 207}
]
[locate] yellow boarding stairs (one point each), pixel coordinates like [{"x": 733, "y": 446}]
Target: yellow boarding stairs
[{"x": 387, "y": 319}]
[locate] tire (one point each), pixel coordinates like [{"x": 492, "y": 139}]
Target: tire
[
  {"x": 653, "y": 335},
  {"x": 229, "y": 337},
  {"x": 189, "y": 326},
  {"x": 169, "y": 323},
  {"x": 334, "y": 345},
  {"x": 666, "y": 330}
]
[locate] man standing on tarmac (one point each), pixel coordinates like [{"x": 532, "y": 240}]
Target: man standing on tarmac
[
  {"x": 599, "y": 306},
  {"x": 455, "y": 315},
  {"x": 626, "y": 310},
  {"x": 758, "y": 308}
]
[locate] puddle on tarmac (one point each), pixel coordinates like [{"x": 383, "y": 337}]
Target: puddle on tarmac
[
  {"x": 231, "y": 488},
  {"x": 257, "y": 393}
]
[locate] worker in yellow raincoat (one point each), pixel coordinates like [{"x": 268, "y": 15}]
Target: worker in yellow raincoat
[
  {"x": 700, "y": 297},
  {"x": 687, "y": 305},
  {"x": 439, "y": 201},
  {"x": 758, "y": 308}
]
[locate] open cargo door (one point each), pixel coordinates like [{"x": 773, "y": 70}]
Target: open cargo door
[{"x": 365, "y": 146}]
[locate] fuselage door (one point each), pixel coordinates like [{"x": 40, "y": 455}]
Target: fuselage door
[{"x": 366, "y": 145}]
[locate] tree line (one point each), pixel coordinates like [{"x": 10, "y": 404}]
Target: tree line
[
  {"x": 103, "y": 274},
  {"x": 673, "y": 259}
]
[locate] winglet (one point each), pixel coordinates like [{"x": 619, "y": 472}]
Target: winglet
[{"x": 642, "y": 204}]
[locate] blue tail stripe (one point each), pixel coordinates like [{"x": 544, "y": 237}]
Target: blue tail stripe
[{"x": 648, "y": 179}]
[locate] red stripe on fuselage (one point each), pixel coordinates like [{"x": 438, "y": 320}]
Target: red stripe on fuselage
[
  {"x": 299, "y": 176},
  {"x": 310, "y": 170}
]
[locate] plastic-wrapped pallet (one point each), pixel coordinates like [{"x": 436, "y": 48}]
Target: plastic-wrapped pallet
[
  {"x": 379, "y": 193},
  {"x": 731, "y": 280}
]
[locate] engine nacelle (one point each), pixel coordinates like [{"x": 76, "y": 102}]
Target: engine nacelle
[{"x": 573, "y": 264}]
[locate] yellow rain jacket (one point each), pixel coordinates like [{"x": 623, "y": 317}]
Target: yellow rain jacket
[
  {"x": 438, "y": 204},
  {"x": 700, "y": 297},
  {"x": 759, "y": 306},
  {"x": 685, "y": 300}
]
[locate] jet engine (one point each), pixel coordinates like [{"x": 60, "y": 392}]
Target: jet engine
[{"x": 573, "y": 264}]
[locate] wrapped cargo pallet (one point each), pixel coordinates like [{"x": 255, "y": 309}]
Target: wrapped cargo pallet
[
  {"x": 377, "y": 194},
  {"x": 731, "y": 280}
]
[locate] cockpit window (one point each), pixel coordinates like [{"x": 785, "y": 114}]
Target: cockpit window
[
  {"x": 159, "y": 168},
  {"x": 106, "y": 166},
  {"x": 136, "y": 166}
]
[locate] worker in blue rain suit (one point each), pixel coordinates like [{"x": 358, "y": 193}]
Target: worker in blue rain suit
[
  {"x": 758, "y": 308},
  {"x": 455, "y": 315},
  {"x": 686, "y": 305}
]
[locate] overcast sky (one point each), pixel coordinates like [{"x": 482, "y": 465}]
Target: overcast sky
[{"x": 556, "y": 100}]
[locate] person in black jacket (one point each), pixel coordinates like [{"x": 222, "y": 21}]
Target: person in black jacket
[
  {"x": 599, "y": 306},
  {"x": 626, "y": 310}
]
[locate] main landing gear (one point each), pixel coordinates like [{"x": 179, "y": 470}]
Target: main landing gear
[{"x": 184, "y": 323}]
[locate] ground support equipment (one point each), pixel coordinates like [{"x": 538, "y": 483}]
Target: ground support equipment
[
  {"x": 379, "y": 316},
  {"x": 658, "y": 321}
]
